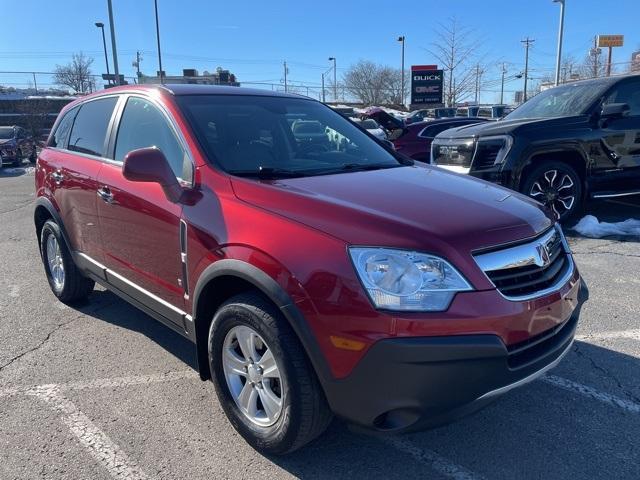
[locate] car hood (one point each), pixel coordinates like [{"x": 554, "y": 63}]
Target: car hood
[
  {"x": 385, "y": 119},
  {"x": 503, "y": 127},
  {"x": 415, "y": 207},
  {"x": 8, "y": 142}
]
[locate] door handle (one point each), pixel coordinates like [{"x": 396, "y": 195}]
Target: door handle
[
  {"x": 105, "y": 194},
  {"x": 57, "y": 176}
]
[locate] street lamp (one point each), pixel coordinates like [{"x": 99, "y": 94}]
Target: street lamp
[
  {"x": 335, "y": 79},
  {"x": 158, "y": 40},
  {"x": 113, "y": 44},
  {"x": 560, "y": 33},
  {"x": 100, "y": 25},
  {"x": 401, "y": 39}
]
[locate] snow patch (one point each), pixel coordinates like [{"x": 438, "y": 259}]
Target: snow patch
[{"x": 589, "y": 226}]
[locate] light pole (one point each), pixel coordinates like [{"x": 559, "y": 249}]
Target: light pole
[
  {"x": 155, "y": 3},
  {"x": 100, "y": 25},
  {"x": 113, "y": 44},
  {"x": 560, "y": 33},
  {"x": 401, "y": 40},
  {"x": 335, "y": 79},
  {"x": 504, "y": 70}
]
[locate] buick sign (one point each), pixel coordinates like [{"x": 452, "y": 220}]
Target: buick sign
[{"x": 426, "y": 85}]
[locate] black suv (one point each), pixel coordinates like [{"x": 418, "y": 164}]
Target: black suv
[{"x": 567, "y": 144}]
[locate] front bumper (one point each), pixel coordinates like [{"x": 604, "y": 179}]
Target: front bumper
[{"x": 405, "y": 384}]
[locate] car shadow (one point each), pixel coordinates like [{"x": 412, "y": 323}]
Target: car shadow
[
  {"x": 108, "y": 307},
  {"x": 528, "y": 424}
]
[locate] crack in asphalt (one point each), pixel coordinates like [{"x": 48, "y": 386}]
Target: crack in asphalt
[
  {"x": 601, "y": 252},
  {"x": 607, "y": 373},
  {"x": 17, "y": 208},
  {"x": 50, "y": 334}
]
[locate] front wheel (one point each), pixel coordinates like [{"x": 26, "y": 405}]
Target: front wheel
[
  {"x": 263, "y": 379},
  {"x": 556, "y": 185}
]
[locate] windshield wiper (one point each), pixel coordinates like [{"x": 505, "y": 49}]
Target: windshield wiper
[
  {"x": 268, "y": 173},
  {"x": 363, "y": 167}
]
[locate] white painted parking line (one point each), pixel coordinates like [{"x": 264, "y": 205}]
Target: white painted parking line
[
  {"x": 432, "y": 459},
  {"x": 633, "y": 334},
  {"x": 592, "y": 393},
  {"x": 101, "y": 447},
  {"x": 108, "y": 382}
]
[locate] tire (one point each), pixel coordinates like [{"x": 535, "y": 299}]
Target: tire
[
  {"x": 560, "y": 191},
  {"x": 304, "y": 413},
  {"x": 71, "y": 286}
]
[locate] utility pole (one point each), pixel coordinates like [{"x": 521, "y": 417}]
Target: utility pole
[
  {"x": 595, "y": 53},
  {"x": 527, "y": 43},
  {"x": 158, "y": 40},
  {"x": 113, "y": 44},
  {"x": 401, "y": 39},
  {"x": 560, "y": 34},
  {"x": 285, "y": 76},
  {"x": 323, "y": 98},
  {"x": 504, "y": 70},
  {"x": 335, "y": 80},
  {"x": 35, "y": 83},
  {"x": 478, "y": 75},
  {"x": 137, "y": 63}
]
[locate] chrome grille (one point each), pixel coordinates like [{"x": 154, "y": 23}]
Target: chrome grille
[{"x": 530, "y": 269}]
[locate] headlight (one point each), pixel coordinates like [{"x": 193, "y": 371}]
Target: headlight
[
  {"x": 407, "y": 281},
  {"x": 492, "y": 151}
]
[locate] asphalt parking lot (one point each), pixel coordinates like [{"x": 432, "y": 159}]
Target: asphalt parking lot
[{"x": 102, "y": 391}]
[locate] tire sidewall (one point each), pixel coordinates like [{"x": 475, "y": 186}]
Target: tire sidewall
[
  {"x": 569, "y": 170},
  {"x": 279, "y": 436},
  {"x": 51, "y": 228}
]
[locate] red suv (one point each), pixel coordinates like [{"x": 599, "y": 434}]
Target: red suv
[{"x": 314, "y": 278}]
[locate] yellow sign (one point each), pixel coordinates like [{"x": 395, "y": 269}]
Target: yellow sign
[{"x": 605, "y": 41}]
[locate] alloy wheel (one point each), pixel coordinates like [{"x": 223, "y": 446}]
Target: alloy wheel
[
  {"x": 253, "y": 376},
  {"x": 56, "y": 264},
  {"x": 556, "y": 189}
]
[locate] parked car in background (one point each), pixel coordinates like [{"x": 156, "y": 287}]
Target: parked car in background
[
  {"x": 415, "y": 142},
  {"x": 564, "y": 146},
  {"x": 16, "y": 144},
  {"x": 493, "y": 112},
  {"x": 344, "y": 280},
  {"x": 419, "y": 116},
  {"x": 371, "y": 126}
]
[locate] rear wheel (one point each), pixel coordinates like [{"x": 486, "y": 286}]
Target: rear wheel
[
  {"x": 556, "y": 185},
  {"x": 65, "y": 280},
  {"x": 263, "y": 378}
]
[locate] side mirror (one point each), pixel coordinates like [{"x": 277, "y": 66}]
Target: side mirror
[
  {"x": 150, "y": 165},
  {"x": 615, "y": 110}
]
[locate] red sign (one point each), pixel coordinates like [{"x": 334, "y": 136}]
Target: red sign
[{"x": 423, "y": 67}]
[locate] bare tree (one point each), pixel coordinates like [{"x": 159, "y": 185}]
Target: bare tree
[
  {"x": 568, "y": 69},
  {"x": 594, "y": 64},
  {"x": 368, "y": 82},
  {"x": 457, "y": 53},
  {"x": 76, "y": 74},
  {"x": 634, "y": 66}
]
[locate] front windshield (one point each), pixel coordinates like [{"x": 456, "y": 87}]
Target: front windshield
[
  {"x": 279, "y": 136},
  {"x": 6, "y": 133},
  {"x": 564, "y": 101}
]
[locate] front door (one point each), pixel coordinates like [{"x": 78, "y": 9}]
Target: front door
[
  {"x": 621, "y": 139},
  {"x": 140, "y": 227}
]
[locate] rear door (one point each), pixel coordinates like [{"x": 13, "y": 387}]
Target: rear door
[
  {"x": 621, "y": 140},
  {"x": 72, "y": 163},
  {"x": 140, "y": 227}
]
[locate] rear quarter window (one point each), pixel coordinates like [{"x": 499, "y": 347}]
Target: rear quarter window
[
  {"x": 61, "y": 133},
  {"x": 90, "y": 126}
]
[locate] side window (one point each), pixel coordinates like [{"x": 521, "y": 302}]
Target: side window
[
  {"x": 90, "y": 127},
  {"x": 61, "y": 134},
  {"x": 629, "y": 93},
  {"x": 143, "y": 125}
]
